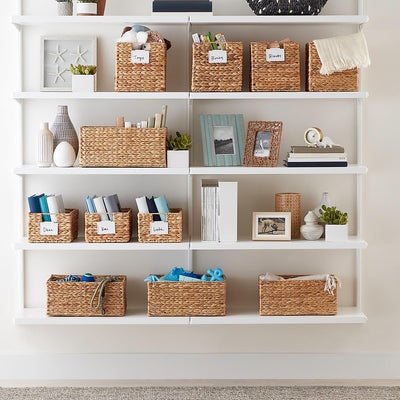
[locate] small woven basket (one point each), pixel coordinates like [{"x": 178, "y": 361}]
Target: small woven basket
[
  {"x": 72, "y": 299},
  {"x": 225, "y": 77},
  {"x": 280, "y": 76},
  {"x": 290, "y": 202},
  {"x": 175, "y": 227},
  {"x": 131, "y": 77},
  {"x": 67, "y": 227},
  {"x": 346, "y": 81},
  {"x": 296, "y": 298},
  {"x": 102, "y": 146},
  {"x": 185, "y": 299},
  {"x": 287, "y": 7},
  {"x": 123, "y": 227}
]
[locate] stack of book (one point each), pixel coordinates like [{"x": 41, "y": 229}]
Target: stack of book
[
  {"x": 179, "y": 7},
  {"x": 104, "y": 205},
  {"x": 304, "y": 156},
  {"x": 48, "y": 205}
]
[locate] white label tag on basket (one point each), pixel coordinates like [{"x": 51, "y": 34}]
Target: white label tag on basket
[
  {"x": 217, "y": 57},
  {"x": 106, "y": 228},
  {"x": 48, "y": 228},
  {"x": 159, "y": 228},
  {"x": 274, "y": 55},
  {"x": 140, "y": 57}
]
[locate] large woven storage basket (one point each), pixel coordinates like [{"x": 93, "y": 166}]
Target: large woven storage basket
[
  {"x": 346, "y": 81},
  {"x": 185, "y": 299},
  {"x": 286, "y": 7},
  {"x": 102, "y": 146},
  {"x": 123, "y": 228},
  {"x": 175, "y": 227},
  {"x": 150, "y": 77},
  {"x": 279, "y": 76},
  {"x": 67, "y": 227},
  {"x": 72, "y": 299},
  {"x": 225, "y": 77},
  {"x": 296, "y": 298}
]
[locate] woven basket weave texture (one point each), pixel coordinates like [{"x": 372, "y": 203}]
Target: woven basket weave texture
[
  {"x": 290, "y": 202},
  {"x": 286, "y": 7}
]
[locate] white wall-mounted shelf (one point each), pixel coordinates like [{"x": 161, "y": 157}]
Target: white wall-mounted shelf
[{"x": 101, "y": 96}]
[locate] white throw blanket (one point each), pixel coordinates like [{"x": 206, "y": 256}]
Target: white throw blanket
[{"x": 342, "y": 53}]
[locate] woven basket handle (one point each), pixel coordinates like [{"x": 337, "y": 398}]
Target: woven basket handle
[{"x": 100, "y": 292}]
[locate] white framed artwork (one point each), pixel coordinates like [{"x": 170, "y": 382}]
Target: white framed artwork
[{"x": 57, "y": 55}]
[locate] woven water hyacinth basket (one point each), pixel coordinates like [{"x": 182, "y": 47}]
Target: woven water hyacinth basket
[
  {"x": 290, "y": 202},
  {"x": 72, "y": 299},
  {"x": 280, "y": 76},
  {"x": 185, "y": 299},
  {"x": 67, "y": 227},
  {"x": 123, "y": 228},
  {"x": 146, "y": 77},
  {"x": 296, "y": 298},
  {"x": 287, "y": 7},
  {"x": 346, "y": 81},
  {"x": 224, "y": 77},
  {"x": 175, "y": 227},
  {"x": 103, "y": 146}
]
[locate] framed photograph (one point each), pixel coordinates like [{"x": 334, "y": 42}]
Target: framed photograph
[
  {"x": 57, "y": 55},
  {"x": 223, "y": 139},
  {"x": 271, "y": 226},
  {"x": 263, "y": 140}
]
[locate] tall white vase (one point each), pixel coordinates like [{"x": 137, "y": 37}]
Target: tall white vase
[{"x": 44, "y": 146}]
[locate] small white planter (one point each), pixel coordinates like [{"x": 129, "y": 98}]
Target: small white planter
[
  {"x": 83, "y": 83},
  {"x": 178, "y": 158},
  {"x": 86, "y": 8},
  {"x": 336, "y": 233}
]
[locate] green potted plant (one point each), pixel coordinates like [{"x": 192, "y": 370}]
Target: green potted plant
[
  {"x": 178, "y": 151},
  {"x": 336, "y": 228},
  {"x": 83, "y": 78},
  {"x": 64, "y": 7},
  {"x": 86, "y": 7}
]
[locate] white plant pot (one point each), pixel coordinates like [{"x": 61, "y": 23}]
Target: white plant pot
[
  {"x": 178, "y": 158},
  {"x": 83, "y": 83},
  {"x": 336, "y": 233},
  {"x": 86, "y": 8}
]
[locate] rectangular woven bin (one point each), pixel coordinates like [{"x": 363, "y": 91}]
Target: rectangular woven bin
[
  {"x": 279, "y": 76},
  {"x": 123, "y": 228},
  {"x": 103, "y": 146},
  {"x": 67, "y": 227},
  {"x": 226, "y": 77},
  {"x": 296, "y": 298},
  {"x": 175, "y": 227},
  {"x": 346, "y": 81},
  {"x": 72, "y": 299},
  {"x": 131, "y": 77},
  {"x": 186, "y": 299}
]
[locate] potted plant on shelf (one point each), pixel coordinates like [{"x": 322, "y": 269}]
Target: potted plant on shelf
[
  {"x": 336, "y": 228},
  {"x": 83, "y": 78},
  {"x": 178, "y": 151},
  {"x": 86, "y": 7},
  {"x": 64, "y": 7}
]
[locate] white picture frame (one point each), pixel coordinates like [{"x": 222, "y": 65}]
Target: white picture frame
[{"x": 272, "y": 226}]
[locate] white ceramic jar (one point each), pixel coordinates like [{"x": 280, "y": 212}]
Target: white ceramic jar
[
  {"x": 44, "y": 153},
  {"x": 311, "y": 230}
]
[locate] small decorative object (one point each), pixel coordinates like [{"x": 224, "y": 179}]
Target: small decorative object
[
  {"x": 101, "y": 6},
  {"x": 88, "y": 277},
  {"x": 86, "y": 7},
  {"x": 290, "y": 202},
  {"x": 63, "y": 130},
  {"x": 327, "y": 142},
  {"x": 336, "y": 228},
  {"x": 215, "y": 275},
  {"x": 64, "y": 7},
  {"x": 178, "y": 151},
  {"x": 271, "y": 226},
  {"x": 44, "y": 146},
  {"x": 262, "y": 144},
  {"x": 223, "y": 137},
  {"x": 325, "y": 201},
  {"x": 286, "y": 7},
  {"x": 313, "y": 136},
  {"x": 83, "y": 78},
  {"x": 64, "y": 155},
  {"x": 311, "y": 230}
]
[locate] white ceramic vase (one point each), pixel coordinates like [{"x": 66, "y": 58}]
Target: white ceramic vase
[
  {"x": 83, "y": 83},
  {"x": 86, "y": 8},
  {"x": 311, "y": 230},
  {"x": 64, "y": 8},
  {"x": 336, "y": 233},
  {"x": 64, "y": 155},
  {"x": 178, "y": 158},
  {"x": 44, "y": 146}
]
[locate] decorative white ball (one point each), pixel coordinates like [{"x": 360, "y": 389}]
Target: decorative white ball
[{"x": 64, "y": 155}]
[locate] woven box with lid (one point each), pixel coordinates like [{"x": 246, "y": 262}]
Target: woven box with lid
[
  {"x": 109, "y": 146},
  {"x": 346, "y": 81},
  {"x": 73, "y": 299},
  {"x": 296, "y": 298},
  {"x": 169, "y": 299},
  {"x": 275, "y": 76},
  {"x": 217, "y": 77},
  {"x": 67, "y": 225},
  {"x": 140, "y": 77}
]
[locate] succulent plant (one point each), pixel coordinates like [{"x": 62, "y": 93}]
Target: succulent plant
[
  {"x": 332, "y": 216},
  {"x": 180, "y": 142},
  {"x": 87, "y": 1},
  {"x": 83, "y": 69},
  {"x": 64, "y": 1}
]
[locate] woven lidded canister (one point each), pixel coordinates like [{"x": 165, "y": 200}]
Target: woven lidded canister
[
  {"x": 290, "y": 202},
  {"x": 286, "y": 7}
]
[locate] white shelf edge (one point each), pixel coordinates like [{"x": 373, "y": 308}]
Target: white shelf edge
[
  {"x": 277, "y": 95},
  {"x": 101, "y": 95}
]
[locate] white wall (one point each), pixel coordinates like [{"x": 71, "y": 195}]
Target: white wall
[{"x": 381, "y": 274}]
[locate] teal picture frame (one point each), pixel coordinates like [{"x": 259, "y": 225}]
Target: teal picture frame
[{"x": 223, "y": 138}]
